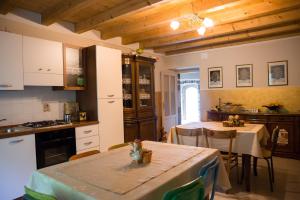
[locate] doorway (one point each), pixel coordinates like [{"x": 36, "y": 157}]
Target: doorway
[{"x": 188, "y": 97}]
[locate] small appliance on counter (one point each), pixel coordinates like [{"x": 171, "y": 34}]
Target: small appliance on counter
[{"x": 71, "y": 108}]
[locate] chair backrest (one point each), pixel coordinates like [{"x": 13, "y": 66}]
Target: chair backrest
[
  {"x": 193, "y": 190},
  {"x": 33, "y": 195},
  {"x": 196, "y": 132},
  {"x": 274, "y": 138},
  {"x": 209, "y": 173},
  {"x": 82, "y": 155},
  {"x": 218, "y": 134},
  {"x": 118, "y": 146}
]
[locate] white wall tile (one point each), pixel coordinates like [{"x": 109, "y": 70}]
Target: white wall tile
[{"x": 23, "y": 106}]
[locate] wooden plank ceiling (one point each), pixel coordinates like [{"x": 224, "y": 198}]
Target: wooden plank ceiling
[{"x": 147, "y": 21}]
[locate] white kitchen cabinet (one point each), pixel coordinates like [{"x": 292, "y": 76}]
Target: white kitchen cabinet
[
  {"x": 11, "y": 68},
  {"x": 18, "y": 162},
  {"x": 87, "y": 138},
  {"x": 111, "y": 128},
  {"x": 43, "y": 62},
  {"x": 109, "y": 72}
]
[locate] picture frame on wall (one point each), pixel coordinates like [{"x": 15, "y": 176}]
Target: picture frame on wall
[
  {"x": 215, "y": 77},
  {"x": 244, "y": 75},
  {"x": 278, "y": 73}
]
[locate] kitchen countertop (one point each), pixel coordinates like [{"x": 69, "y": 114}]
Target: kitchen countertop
[{"x": 28, "y": 131}]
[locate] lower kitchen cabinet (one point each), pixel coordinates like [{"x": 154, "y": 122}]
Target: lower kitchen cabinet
[
  {"x": 131, "y": 130},
  {"x": 18, "y": 162},
  {"x": 144, "y": 129},
  {"x": 87, "y": 138},
  {"x": 289, "y": 128}
]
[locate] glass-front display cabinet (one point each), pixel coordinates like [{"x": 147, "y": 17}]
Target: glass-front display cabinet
[
  {"x": 138, "y": 98},
  {"x": 128, "y": 83}
]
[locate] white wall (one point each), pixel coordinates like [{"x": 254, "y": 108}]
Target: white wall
[
  {"x": 257, "y": 54},
  {"x": 23, "y": 106}
]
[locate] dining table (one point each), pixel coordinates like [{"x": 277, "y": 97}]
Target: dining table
[
  {"x": 114, "y": 175},
  {"x": 250, "y": 140}
]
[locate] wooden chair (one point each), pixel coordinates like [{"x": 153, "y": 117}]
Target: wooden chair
[
  {"x": 117, "y": 146},
  {"x": 268, "y": 156},
  {"x": 188, "y": 132},
  {"x": 82, "y": 155},
  {"x": 231, "y": 159},
  {"x": 209, "y": 173},
  {"x": 192, "y": 190}
]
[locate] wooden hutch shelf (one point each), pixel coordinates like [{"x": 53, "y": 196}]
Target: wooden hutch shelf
[{"x": 138, "y": 98}]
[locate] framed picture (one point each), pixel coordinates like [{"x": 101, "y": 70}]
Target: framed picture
[
  {"x": 278, "y": 73},
  {"x": 244, "y": 75},
  {"x": 215, "y": 77}
]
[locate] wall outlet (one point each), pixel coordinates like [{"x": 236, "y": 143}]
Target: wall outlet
[{"x": 46, "y": 107}]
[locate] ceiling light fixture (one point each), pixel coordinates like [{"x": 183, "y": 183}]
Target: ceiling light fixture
[
  {"x": 208, "y": 22},
  {"x": 174, "y": 25},
  {"x": 193, "y": 20},
  {"x": 201, "y": 30}
]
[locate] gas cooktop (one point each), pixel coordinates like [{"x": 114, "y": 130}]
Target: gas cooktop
[{"x": 47, "y": 123}]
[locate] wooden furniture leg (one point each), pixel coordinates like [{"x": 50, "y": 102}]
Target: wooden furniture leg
[
  {"x": 255, "y": 166},
  {"x": 247, "y": 170}
]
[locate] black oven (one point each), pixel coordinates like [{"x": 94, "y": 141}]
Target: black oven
[{"x": 54, "y": 147}]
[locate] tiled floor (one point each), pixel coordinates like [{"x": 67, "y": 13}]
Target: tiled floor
[{"x": 286, "y": 187}]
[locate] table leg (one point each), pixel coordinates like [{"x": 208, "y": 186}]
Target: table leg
[{"x": 247, "y": 170}]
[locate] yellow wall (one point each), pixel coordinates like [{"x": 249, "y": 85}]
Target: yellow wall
[{"x": 289, "y": 97}]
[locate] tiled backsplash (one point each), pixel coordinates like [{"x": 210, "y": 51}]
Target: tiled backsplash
[{"x": 27, "y": 105}]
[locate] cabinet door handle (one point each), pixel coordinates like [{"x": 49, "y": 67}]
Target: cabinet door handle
[
  {"x": 111, "y": 95},
  {"x": 88, "y": 131},
  {"x": 6, "y": 85},
  {"x": 40, "y": 69},
  {"x": 16, "y": 141},
  {"x": 111, "y": 101},
  {"x": 87, "y": 143}
]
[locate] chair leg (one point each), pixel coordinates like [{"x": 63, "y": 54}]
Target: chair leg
[
  {"x": 272, "y": 167},
  {"x": 270, "y": 175},
  {"x": 255, "y": 166},
  {"x": 237, "y": 170},
  {"x": 243, "y": 166}
]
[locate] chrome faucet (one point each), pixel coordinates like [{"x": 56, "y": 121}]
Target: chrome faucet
[{"x": 1, "y": 120}]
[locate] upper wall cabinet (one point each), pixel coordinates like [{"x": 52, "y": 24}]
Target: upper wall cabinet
[
  {"x": 43, "y": 62},
  {"x": 11, "y": 69},
  {"x": 109, "y": 72}
]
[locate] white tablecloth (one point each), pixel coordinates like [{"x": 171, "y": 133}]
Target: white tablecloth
[
  {"x": 249, "y": 140},
  {"x": 112, "y": 175}
]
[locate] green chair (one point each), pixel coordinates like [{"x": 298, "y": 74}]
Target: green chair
[
  {"x": 193, "y": 190},
  {"x": 33, "y": 195},
  {"x": 209, "y": 173}
]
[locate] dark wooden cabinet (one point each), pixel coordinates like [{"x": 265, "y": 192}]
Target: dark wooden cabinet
[
  {"x": 288, "y": 123},
  {"x": 138, "y": 98}
]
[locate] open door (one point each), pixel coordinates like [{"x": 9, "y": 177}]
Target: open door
[{"x": 169, "y": 99}]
